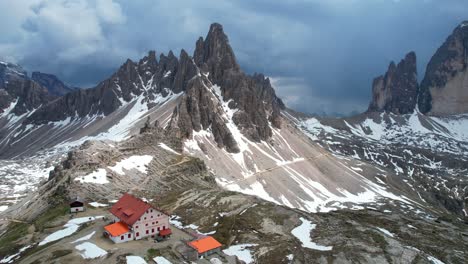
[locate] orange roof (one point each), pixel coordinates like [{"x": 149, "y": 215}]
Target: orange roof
[
  {"x": 204, "y": 244},
  {"x": 117, "y": 229}
]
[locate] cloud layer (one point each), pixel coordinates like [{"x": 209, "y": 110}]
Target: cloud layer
[{"x": 322, "y": 54}]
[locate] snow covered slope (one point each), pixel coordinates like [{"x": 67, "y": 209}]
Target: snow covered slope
[
  {"x": 288, "y": 169},
  {"x": 429, "y": 153}
]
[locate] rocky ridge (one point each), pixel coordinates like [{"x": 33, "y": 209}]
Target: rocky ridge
[{"x": 51, "y": 83}]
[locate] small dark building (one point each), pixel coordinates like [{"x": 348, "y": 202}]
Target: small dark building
[{"x": 76, "y": 205}]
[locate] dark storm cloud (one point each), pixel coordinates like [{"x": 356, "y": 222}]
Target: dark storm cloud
[{"x": 321, "y": 54}]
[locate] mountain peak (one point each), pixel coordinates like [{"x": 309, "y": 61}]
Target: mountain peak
[
  {"x": 397, "y": 90},
  {"x": 216, "y": 27},
  {"x": 53, "y": 84},
  {"x": 215, "y": 54}
]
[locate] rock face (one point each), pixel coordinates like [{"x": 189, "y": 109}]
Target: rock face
[
  {"x": 20, "y": 92},
  {"x": 397, "y": 90},
  {"x": 200, "y": 109},
  {"x": 52, "y": 83},
  {"x": 444, "y": 89},
  {"x": 252, "y": 96}
]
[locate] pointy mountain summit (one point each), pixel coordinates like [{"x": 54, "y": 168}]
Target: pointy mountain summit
[{"x": 397, "y": 90}]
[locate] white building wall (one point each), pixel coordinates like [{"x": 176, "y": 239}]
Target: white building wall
[
  {"x": 76, "y": 209},
  {"x": 152, "y": 221},
  {"x": 118, "y": 239}
]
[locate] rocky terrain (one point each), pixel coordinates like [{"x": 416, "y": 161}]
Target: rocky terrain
[
  {"x": 221, "y": 153},
  {"x": 183, "y": 186}
]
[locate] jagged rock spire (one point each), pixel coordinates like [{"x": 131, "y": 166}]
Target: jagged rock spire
[
  {"x": 397, "y": 90},
  {"x": 215, "y": 54}
]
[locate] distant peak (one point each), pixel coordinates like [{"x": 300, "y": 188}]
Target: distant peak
[
  {"x": 170, "y": 54},
  {"x": 411, "y": 56},
  {"x": 183, "y": 53},
  {"x": 216, "y": 27}
]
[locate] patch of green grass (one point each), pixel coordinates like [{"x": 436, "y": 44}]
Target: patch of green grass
[
  {"x": 45, "y": 219},
  {"x": 377, "y": 238},
  {"x": 60, "y": 253},
  {"x": 151, "y": 253},
  {"x": 14, "y": 232}
]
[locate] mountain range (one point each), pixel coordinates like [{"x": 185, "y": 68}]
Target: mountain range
[{"x": 227, "y": 135}]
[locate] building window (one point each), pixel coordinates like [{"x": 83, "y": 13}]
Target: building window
[
  {"x": 151, "y": 216},
  {"x": 121, "y": 237},
  {"x": 129, "y": 235},
  {"x": 151, "y": 210},
  {"x": 152, "y": 230},
  {"x": 159, "y": 228},
  {"x": 138, "y": 234},
  {"x": 157, "y": 222},
  {"x": 147, "y": 231},
  {"x": 164, "y": 227},
  {"x": 146, "y": 225}
]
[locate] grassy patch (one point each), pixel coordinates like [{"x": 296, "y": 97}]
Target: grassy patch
[
  {"x": 14, "y": 232},
  {"x": 377, "y": 238},
  {"x": 151, "y": 253},
  {"x": 45, "y": 219},
  {"x": 60, "y": 253}
]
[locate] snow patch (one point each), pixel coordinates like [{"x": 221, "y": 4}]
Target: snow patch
[
  {"x": 164, "y": 146},
  {"x": 241, "y": 251},
  {"x": 135, "y": 260},
  {"x": 161, "y": 260},
  {"x": 97, "y": 177},
  {"x": 139, "y": 163},
  {"x": 70, "y": 228},
  {"x": 87, "y": 237},
  {"x": 302, "y": 232},
  {"x": 96, "y": 204},
  {"x": 434, "y": 260},
  {"x": 90, "y": 251},
  {"x": 385, "y": 231}
]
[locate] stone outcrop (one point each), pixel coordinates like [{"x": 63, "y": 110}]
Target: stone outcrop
[
  {"x": 396, "y": 91},
  {"x": 16, "y": 87},
  {"x": 444, "y": 89}
]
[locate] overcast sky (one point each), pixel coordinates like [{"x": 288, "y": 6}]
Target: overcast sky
[{"x": 321, "y": 54}]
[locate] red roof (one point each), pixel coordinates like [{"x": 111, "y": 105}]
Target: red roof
[
  {"x": 165, "y": 232},
  {"x": 129, "y": 209},
  {"x": 205, "y": 244},
  {"x": 117, "y": 229}
]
